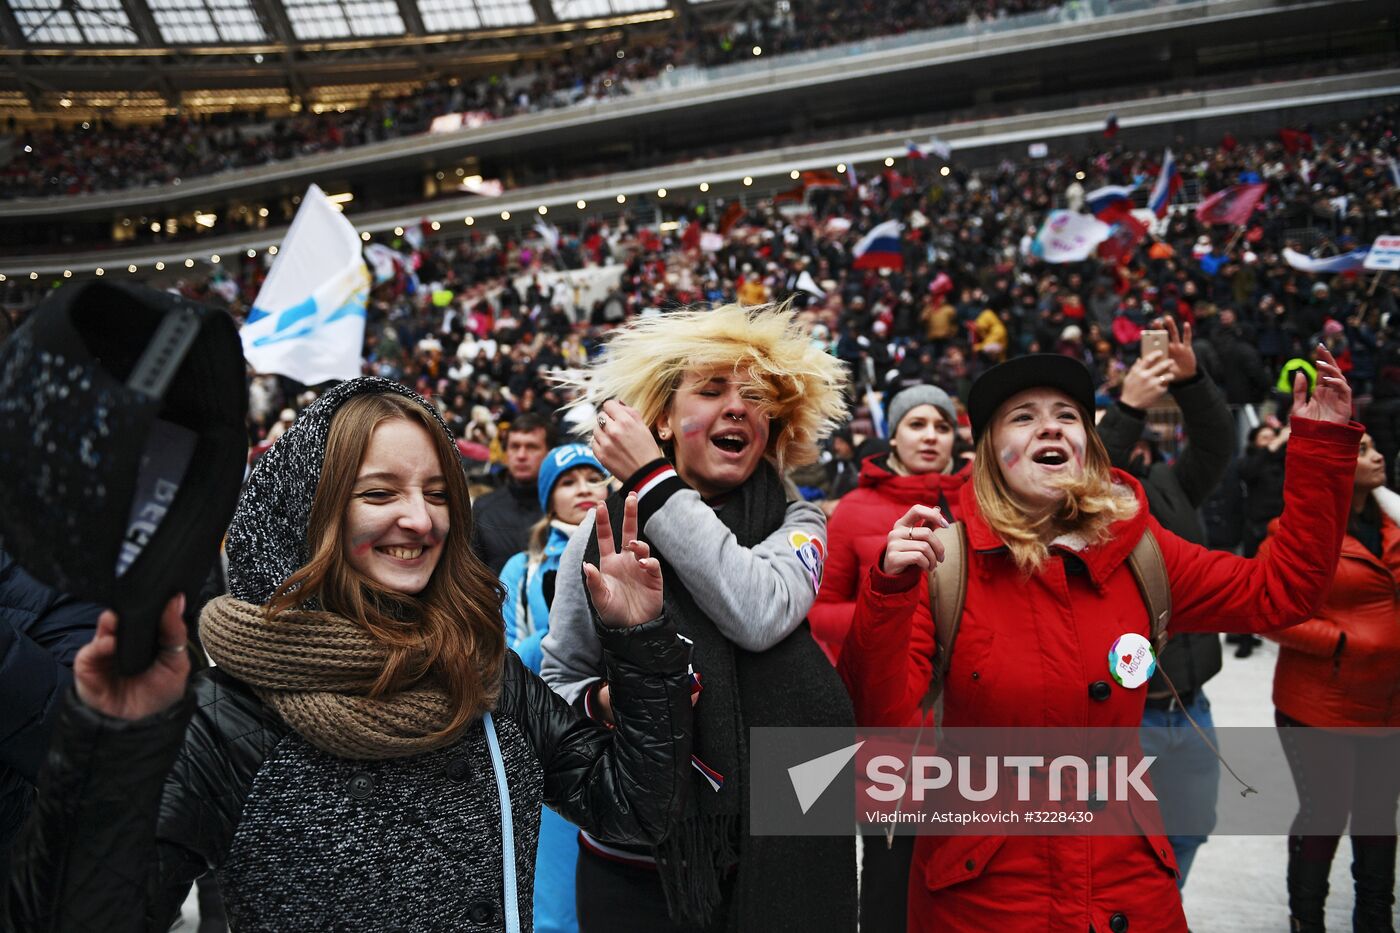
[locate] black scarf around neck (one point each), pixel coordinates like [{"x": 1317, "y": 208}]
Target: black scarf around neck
[{"x": 790, "y": 684}]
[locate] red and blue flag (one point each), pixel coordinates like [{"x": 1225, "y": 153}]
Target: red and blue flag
[
  {"x": 1110, "y": 203},
  {"x": 881, "y": 248},
  {"x": 1167, "y": 185}
]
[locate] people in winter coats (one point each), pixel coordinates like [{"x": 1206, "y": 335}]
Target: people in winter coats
[
  {"x": 572, "y": 482},
  {"x": 1049, "y": 527},
  {"x": 919, "y": 468},
  {"x": 1186, "y": 774},
  {"x": 699, "y": 413},
  {"x": 1337, "y": 706},
  {"x": 367, "y": 754}
]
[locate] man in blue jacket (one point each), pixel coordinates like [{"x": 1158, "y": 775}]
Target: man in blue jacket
[{"x": 40, "y": 632}]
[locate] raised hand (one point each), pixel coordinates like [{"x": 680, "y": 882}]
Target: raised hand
[
  {"x": 910, "y": 543},
  {"x": 156, "y": 688},
  {"x": 1147, "y": 381},
  {"x": 626, "y": 584},
  {"x": 1183, "y": 355},
  {"x": 622, "y": 442},
  {"x": 1331, "y": 398}
]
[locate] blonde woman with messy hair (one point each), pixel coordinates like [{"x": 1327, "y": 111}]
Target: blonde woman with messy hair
[
  {"x": 699, "y": 412},
  {"x": 1054, "y": 630}
]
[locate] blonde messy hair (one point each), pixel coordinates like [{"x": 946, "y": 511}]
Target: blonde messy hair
[
  {"x": 1092, "y": 503},
  {"x": 793, "y": 381}
]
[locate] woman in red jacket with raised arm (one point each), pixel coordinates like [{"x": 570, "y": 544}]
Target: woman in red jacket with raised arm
[{"x": 1049, "y": 527}]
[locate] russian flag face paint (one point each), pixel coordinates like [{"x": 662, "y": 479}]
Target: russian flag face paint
[{"x": 1040, "y": 439}]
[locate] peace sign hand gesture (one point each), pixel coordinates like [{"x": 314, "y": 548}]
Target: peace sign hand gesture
[{"x": 626, "y": 585}]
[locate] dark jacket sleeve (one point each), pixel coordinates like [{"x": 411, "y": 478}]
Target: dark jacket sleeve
[
  {"x": 1210, "y": 438},
  {"x": 129, "y": 814},
  {"x": 1119, "y": 429},
  {"x": 625, "y": 784},
  {"x": 40, "y": 633}
]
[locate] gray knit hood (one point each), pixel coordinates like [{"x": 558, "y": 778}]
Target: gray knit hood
[{"x": 267, "y": 537}]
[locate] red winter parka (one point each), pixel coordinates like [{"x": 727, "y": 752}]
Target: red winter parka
[
  {"x": 1033, "y": 652},
  {"x": 855, "y": 538},
  {"x": 1342, "y": 667}
]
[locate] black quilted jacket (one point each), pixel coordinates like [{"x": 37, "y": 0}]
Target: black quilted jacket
[{"x": 131, "y": 813}]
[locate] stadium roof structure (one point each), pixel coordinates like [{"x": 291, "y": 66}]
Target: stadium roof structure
[{"x": 135, "y": 57}]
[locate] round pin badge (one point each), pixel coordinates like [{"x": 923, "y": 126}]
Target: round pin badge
[{"x": 1131, "y": 660}]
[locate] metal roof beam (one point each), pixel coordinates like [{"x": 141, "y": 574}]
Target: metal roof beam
[
  {"x": 544, "y": 11},
  {"x": 143, "y": 22},
  {"x": 274, "y": 16}
]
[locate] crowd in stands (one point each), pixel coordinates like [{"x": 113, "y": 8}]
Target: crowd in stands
[
  {"x": 105, "y": 156},
  {"x": 970, "y": 292}
]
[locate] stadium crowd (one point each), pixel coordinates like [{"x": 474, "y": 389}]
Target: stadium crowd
[
  {"x": 451, "y": 324},
  {"x": 92, "y": 156},
  {"x": 480, "y": 328}
]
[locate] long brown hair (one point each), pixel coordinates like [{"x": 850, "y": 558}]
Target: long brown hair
[
  {"x": 1091, "y": 504},
  {"x": 451, "y": 633}
]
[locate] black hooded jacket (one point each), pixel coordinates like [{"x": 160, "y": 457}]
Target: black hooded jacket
[{"x": 131, "y": 813}]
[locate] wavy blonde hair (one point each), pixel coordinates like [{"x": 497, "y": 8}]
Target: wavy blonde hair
[
  {"x": 792, "y": 380},
  {"x": 1092, "y": 502}
]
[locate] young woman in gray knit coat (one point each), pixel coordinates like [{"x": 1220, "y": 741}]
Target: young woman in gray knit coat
[{"x": 367, "y": 755}]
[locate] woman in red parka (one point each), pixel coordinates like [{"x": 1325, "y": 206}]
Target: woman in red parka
[
  {"x": 1049, "y": 526},
  {"x": 917, "y": 470},
  {"x": 1341, "y": 670}
]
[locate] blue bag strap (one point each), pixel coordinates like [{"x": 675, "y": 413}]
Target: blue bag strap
[{"x": 507, "y": 828}]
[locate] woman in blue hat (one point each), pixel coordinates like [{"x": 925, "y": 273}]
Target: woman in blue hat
[{"x": 572, "y": 482}]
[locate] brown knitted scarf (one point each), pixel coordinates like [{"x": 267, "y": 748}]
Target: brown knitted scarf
[{"x": 314, "y": 668}]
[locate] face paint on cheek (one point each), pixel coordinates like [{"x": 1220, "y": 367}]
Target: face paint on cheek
[
  {"x": 692, "y": 426},
  {"x": 1077, "y": 448},
  {"x": 436, "y": 536},
  {"x": 761, "y": 428},
  {"x": 361, "y": 544},
  {"x": 1009, "y": 458}
]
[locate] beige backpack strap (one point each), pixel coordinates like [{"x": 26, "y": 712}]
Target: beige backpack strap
[
  {"x": 1150, "y": 571},
  {"x": 947, "y": 591}
]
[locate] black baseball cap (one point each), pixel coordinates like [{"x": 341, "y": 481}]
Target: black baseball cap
[
  {"x": 1038, "y": 370},
  {"x": 123, "y": 411}
]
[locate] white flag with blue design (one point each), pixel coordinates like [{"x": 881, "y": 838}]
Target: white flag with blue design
[{"x": 308, "y": 322}]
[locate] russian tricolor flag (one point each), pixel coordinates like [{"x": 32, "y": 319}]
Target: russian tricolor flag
[
  {"x": 881, "y": 248},
  {"x": 1110, "y": 202},
  {"x": 912, "y": 150},
  {"x": 1167, "y": 185}
]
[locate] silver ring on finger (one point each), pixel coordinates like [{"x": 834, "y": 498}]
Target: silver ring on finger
[{"x": 602, "y": 420}]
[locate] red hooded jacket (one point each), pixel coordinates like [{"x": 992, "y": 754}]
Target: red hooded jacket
[
  {"x": 855, "y": 538},
  {"x": 1341, "y": 668},
  {"x": 1033, "y": 652}
]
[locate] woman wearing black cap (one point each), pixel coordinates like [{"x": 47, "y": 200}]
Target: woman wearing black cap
[
  {"x": 367, "y": 755},
  {"x": 1050, "y": 597}
]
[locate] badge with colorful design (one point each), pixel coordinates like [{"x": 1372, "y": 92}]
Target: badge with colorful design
[
  {"x": 812, "y": 553},
  {"x": 1131, "y": 660}
]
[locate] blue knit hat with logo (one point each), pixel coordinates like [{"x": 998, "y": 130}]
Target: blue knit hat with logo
[{"x": 561, "y": 460}]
